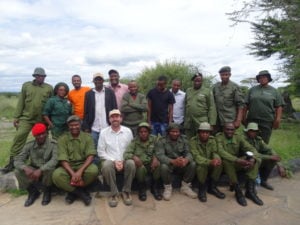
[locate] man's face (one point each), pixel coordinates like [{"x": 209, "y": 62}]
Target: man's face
[
  {"x": 76, "y": 81},
  {"x": 39, "y": 79},
  {"x": 229, "y": 130},
  {"x": 203, "y": 135},
  {"x": 114, "y": 78},
  {"x": 61, "y": 91},
  {"x": 98, "y": 81},
  {"x": 115, "y": 120},
  {"x": 197, "y": 82},
  {"x": 144, "y": 134},
  {"x": 133, "y": 88},
  {"x": 225, "y": 77},
  {"x": 174, "y": 134},
  {"x": 251, "y": 134},
  {"x": 161, "y": 85},
  {"x": 41, "y": 138},
  {"x": 263, "y": 80},
  {"x": 74, "y": 128},
  {"x": 176, "y": 86}
]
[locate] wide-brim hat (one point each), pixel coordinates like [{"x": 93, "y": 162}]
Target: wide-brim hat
[
  {"x": 73, "y": 118},
  {"x": 264, "y": 73},
  {"x": 173, "y": 126},
  {"x": 225, "y": 69},
  {"x": 251, "y": 126},
  {"x": 39, "y": 71},
  {"x": 144, "y": 124},
  {"x": 205, "y": 126},
  {"x": 98, "y": 75}
]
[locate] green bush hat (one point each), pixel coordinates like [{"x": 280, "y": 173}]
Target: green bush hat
[
  {"x": 225, "y": 69},
  {"x": 73, "y": 118},
  {"x": 173, "y": 126},
  {"x": 264, "y": 73},
  {"x": 39, "y": 71},
  {"x": 144, "y": 124},
  {"x": 61, "y": 84},
  {"x": 252, "y": 126},
  {"x": 197, "y": 75},
  {"x": 205, "y": 126}
]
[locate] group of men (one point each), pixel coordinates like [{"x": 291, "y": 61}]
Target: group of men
[{"x": 117, "y": 139}]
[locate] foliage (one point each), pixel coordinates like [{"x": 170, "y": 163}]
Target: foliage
[
  {"x": 8, "y": 105},
  {"x": 276, "y": 27}
]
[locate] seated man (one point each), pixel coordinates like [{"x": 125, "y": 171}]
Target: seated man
[
  {"x": 42, "y": 155},
  {"x": 269, "y": 157},
  {"x": 75, "y": 154},
  {"x": 112, "y": 144},
  {"x": 141, "y": 151},
  {"x": 204, "y": 150},
  {"x": 239, "y": 155},
  {"x": 173, "y": 153}
]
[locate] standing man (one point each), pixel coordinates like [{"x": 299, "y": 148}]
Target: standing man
[
  {"x": 174, "y": 155},
  {"x": 41, "y": 153},
  {"x": 229, "y": 100},
  {"x": 76, "y": 96},
  {"x": 98, "y": 103},
  {"x": 178, "y": 107},
  {"x": 118, "y": 88},
  {"x": 209, "y": 164},
  {"x": 112, "y": 144},
  {"x": 133, "y": 107},
  {"x": 239, "y": 155},
  {"x": 75, "y": 155},
  {"x": 160, "y": 107},
  {"x": 32, "y": 99},
  {"x": 199, "y": 107}
]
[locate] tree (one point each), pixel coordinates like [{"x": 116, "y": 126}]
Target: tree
[{"x": 276, "y": 28}]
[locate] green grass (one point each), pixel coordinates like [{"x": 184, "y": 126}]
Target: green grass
[{"x": 7, "y": 106}]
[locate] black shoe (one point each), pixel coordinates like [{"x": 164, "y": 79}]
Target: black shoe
[
  {"x": 240, "y": 198},
  {"x": 266, "y": 185},
  {"x": 215, "y": 191},
  {"x": 33, "y": 194},
  {"x": 70, "y": 198},
  {"x": 83, "y": 195},
  {"x": 202, "y": 193},
  {"x": 9, "y": 167},
  {"x": 46, "y": 196},
  {"x": 156, "y": 191},
  {"x": 142, "y": 191}
]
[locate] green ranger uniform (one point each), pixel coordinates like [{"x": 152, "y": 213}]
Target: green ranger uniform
[
  {"x": 261, "y": 102},
  {"x": 199, "y": 107},
  {"x": 75, "y": 151},
  {"x": 166, "y": 150},
  {"x": 29, "y": 111},
  {"x": 232, "y": 149},
  {"x": 43, "y": 157},
  {"x": 228, "y": 98},
  {"x": 133, "y": 110},
  {"x": 203, "y": 153},
  {"x": 145, "y": 152},
  {"x": 58, "y": 110}
]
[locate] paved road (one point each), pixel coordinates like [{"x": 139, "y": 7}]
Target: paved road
[{"x": 281, "y": 207}]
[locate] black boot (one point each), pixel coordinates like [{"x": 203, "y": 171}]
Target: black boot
[
  {"x": 9, "y": 167},
  {"x": 212, "y": 189},
  {"x": 202, "y": 192},
  {"x": 46, "y": 196},
  {"x": 240, "y": 198},
  {"x": 33, "y": 194},
  {"x": 264, "y": 175},
  {"x": 251, "y": 193},
  {"x": 83, "y": 195},
  {"x": 70, "y": 198},
  {"x": 155, "y": 190},
  {"x": 142, "y": 191}
]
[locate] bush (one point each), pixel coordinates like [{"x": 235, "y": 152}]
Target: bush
[{"x": 8, "y": 105}]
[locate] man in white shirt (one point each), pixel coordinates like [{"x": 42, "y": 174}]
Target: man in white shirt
[
  {"x": 178, "y": 107},
  {"x": 111, "y": 146}
]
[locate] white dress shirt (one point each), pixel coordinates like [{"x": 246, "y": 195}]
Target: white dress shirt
[{"x": 178, "y": 107}]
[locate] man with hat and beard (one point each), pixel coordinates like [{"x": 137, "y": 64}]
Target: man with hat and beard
[
  {"x": 32, "y": 98},
  {"x": 42, "y": 155}
]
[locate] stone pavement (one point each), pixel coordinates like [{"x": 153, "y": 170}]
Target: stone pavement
[{"x": 281, "y": 207}]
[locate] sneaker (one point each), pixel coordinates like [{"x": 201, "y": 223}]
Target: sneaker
[
  {"x": 186, "y": 189},
  {"x": 167, "y": 192},
  {"x": 127, "y": 198},
  {"x": 113, "y": 201}
]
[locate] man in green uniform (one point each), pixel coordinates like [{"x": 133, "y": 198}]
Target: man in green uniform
[
  {"x": 174, "y": 155},
  {"x": 269, "y": 157},
  {"x": 238, "y": 155},
  {"x": 76, "y": 152},
  {"x": 33, "y": 96},
  {"x": 41, "y": 153},
  {"x": 141, "y": 151},
  {"x": 199, "y": 107},
  {"x": 229, "y": 100},
  {"x": 204, "y": 150}
]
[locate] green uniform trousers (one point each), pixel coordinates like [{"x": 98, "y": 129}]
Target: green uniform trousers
[
  {"x": 266, "y": 168},
  {"x": 61, "y": 178},
  {"x": 25, "y": 182},
  {"x": 109, "y": 173},
  {"x": 20, "y": 137},
  {"x": 143, "y": 171},
  {"x": 188, "y": 172},
  {"x": 204, "y": 170},
  {"x": 231, "y": 169}
]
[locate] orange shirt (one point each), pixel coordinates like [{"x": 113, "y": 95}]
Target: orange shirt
[{"x": 76, "y": 97}]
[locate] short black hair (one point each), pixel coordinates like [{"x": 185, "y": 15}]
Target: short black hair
[
  {"x": 112, "y": 71},
  {"x": 76, "y": 75},
  {"x": 162, "y": 78}
]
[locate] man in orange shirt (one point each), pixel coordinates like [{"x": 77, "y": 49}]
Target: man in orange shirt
[{"x": 76, "y": 96}]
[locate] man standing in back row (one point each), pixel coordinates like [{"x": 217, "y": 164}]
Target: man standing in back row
[{"x": 115, "y": 85}]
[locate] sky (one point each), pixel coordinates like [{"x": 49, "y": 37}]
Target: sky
[{"x": 68, "y": 37}]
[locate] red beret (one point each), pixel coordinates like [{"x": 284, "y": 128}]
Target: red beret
[{"x": 38, "y": 128}]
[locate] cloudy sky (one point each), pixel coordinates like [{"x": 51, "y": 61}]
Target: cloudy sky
[{"x": 69, "y": 37}]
